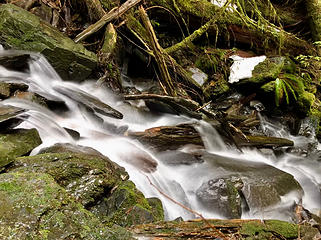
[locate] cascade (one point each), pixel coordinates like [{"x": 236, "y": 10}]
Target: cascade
[{"x": 181, "y": 182}]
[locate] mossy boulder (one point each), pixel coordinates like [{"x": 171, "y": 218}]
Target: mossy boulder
[
  {"x": 22, "y": 30},
  {"x": 265, "y": 71},
  {"x": 34, "y": 206},
  {"x": 17, "y": 143},
  {"x": 100, "y": 185},
  {"x": 127, "y": 206},
  {"x": 87, "y": 177},
  {"x": 305, "y": 101}
]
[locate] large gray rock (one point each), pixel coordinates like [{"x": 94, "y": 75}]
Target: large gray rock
[
  {"x": 262, "y": 187},
  {"x": 34, "y": 206},
  {"x": 22, "y": 30}
]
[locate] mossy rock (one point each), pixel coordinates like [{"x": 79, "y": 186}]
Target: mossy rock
[
  {"x": 305, "y": 101},
  {"x": 34, "y": 206},
  {"x": 265, "y": 71},
  {"x": 22, "y": 30},
  {"x": 17, "y": 143},
  {"x": 87, "y": 177},
  {"x": 127, "y": 206},
  {"x": 96, "y": 182},
  {"x": 216, "y": 88}
]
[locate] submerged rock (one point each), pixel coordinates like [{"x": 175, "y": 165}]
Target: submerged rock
[
  {"x": 25, "y": 31},
  {"x": 17, "y": 143},
  {"x": 34, "y": 206}
]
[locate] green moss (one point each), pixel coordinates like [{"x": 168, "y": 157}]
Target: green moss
[
  {"x": 46, "y": 211},
  {"x": 305, "y": 101},
  {"x": 25, "y": 31},
  {"x": 17, "y": 143},
  {"x": 128, "y": 206},
  {"x": 87, "y": 177}
]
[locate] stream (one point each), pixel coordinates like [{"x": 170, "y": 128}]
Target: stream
[{"x": 181, "y": 182}]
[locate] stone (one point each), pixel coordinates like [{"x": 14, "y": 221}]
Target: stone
[
  {"x": 263, "y": 185},
  {"x": 8, "y": 117},
  {"x": 222, "y": 195},
  {"x": 265, "y": 71},
  {"x": 89, "y": 101},
  {"x": 100, "y": 185},
  {"x": 22, "y": 30},
  {"x": 17, "y": 143},
  {"x": 34, "y": 206}
]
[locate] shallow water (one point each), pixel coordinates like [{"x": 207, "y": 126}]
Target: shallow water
[{"x": 180, "y": 182}]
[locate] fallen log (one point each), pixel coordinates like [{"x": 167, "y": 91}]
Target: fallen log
[{"x": 111, "y": 15}]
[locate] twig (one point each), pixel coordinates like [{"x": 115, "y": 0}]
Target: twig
[
  {"x": 187, "y": 208},
  {"x": 112, "y": 14},
  {"x": 201, "y": 107}
]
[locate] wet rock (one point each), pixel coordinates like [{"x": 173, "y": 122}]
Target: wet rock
[
  {"x": 4, "y": 90},
  {"x": 34, "y": 206},
  {"x": 178, "y": 158},
  {"x": 93, "y": 180},
  {"x": 25, "y": 31},
  {"x": 30, "y": 96},
  {"x": 127, "y": 206},
  {"x": 222, "y": 195},
  {"x": 8, "y": 117},
  {"x": 14, "y": 60},
  {"x": 263, "y": 185},
  {"x": 17, "y": 143},
  {"x": 89, "y": 101}
]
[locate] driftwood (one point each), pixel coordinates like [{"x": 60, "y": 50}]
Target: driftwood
[
  {"x": 264, "y": 141},
  {"x": 168, "y": 137},
  {"x": 111, "y": 15},
  {"x": 166, "y": 82}
]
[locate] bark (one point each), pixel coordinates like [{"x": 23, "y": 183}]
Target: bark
[
  {"x": 314, "y": 12},
  {"x": 166, "y": 80},
  {"x": 111, "y": 15}
]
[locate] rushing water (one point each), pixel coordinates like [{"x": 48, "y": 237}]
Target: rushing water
[{"x": 180, "y": 182}]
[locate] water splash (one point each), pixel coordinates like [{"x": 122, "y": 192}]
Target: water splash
[{"x": 180, "y": 182}]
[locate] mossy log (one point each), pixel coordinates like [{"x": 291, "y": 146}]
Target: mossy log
[
  {"x": 232, "y": 229},
  {"x": 234, "y": 28}
]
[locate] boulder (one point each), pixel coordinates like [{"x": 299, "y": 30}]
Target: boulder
[
  {"x": 34, "y": 206},
  {"x": 89, "y": 101},
  {"x": 222, "y": 195},
  {"x": 8, "y": 117},
  {"x": 22, "y": 30},
  {"x": 17, "y": 143},
  {"x": 262, "y": 186},
  {"x": 100, "y": 185}
]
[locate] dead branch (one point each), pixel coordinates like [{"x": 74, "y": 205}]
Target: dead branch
[
  {"x": 112, "y": 14},
  {"x": 158, "y": 53}
]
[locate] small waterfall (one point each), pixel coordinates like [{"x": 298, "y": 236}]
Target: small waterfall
[{"x": 179, "y": 182}]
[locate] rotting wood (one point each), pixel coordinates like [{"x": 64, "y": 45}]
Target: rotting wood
[
  {"x": 166, "y": 80},
  {"x": 112, "y": 14}
]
